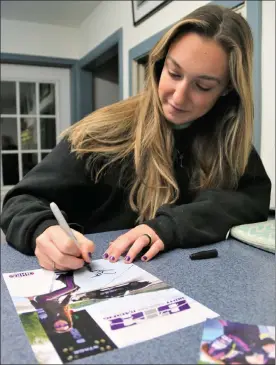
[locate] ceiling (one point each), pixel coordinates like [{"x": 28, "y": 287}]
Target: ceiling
[{"x": 64, "y": 13}]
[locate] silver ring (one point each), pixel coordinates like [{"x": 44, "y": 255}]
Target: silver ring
[{"x": 149, "y": 237}]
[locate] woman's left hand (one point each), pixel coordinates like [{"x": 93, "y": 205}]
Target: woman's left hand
[{"x": 133, "y": 242}]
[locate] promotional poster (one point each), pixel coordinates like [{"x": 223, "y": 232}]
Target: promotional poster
[{"x": 72, "y": 315}]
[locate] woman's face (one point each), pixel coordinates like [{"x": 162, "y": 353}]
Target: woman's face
[
  {"x": 194, "y": 76},
  {"x": 61, "y": 326}
]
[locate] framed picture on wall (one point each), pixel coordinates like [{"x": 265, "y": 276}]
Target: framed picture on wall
[{"x": 143, "y": 9}]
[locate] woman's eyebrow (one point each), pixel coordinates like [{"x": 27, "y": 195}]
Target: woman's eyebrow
[
  {"x": 205, "y": 77},
  {"x": 212, "y": 78},
  {"x": 174, "y": 62}
]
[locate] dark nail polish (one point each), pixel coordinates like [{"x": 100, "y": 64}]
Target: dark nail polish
[
  {"x": 112, "y": 258},
  {"x": 105, "y": 256},
  {"x": 127, "y": 258},
  {"x": 144, "y": 258},
  {"x": 90, "y": 255}
]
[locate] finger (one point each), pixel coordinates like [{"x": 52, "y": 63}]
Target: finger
[
  {"x": 155, "y": 248},
  {"x": 118, "y": 247},
  {"x": 136, "y": 248},
  {"x": 64, "y": 243},
  {"x": 46, "y": 262},
  {"x": 87, "y": 247},
  {"x": 110, "y": 243},
  {"x": 60, "y": 259}
]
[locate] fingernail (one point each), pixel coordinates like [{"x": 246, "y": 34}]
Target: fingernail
[
  {"x": 105, "y": 256},
  {"x": 90, "y": 255},
  {"x": 144, "y": 258},
  {"x": 127, "y": 258},
  {"x": 112, "y": 258}
]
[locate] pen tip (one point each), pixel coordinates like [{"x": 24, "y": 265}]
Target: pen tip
[{"x": 89, "y": 268}]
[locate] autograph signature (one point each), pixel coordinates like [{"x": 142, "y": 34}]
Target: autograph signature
[{"x": 96, "y": 273}]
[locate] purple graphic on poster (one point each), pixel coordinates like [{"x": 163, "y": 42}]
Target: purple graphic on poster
[{"x": 132, "y": 318}]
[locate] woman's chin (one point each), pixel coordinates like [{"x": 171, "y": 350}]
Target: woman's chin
[
  {"x": 178, "y": 122},
  {"x": 178, "y": 119}
]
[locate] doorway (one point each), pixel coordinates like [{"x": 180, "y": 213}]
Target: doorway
[
  {"x": 100, "y": 76},
  {"x": 105, "y": 79},
  {"x": 139, "y": 74}
]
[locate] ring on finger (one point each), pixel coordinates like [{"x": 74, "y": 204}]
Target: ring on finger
[{"x": 149, "y": 237}]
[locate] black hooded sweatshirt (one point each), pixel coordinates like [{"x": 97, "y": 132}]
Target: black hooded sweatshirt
[{"x": 89, "y": 207}]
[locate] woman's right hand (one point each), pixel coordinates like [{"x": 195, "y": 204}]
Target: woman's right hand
[{"x": 56, "y": 251}]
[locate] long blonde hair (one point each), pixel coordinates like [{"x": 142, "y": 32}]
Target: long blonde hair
[{"x": 136, "y": 127}]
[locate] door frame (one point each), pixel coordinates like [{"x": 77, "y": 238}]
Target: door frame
[
  {"x": 85, "y": 75},
  {"x": 43, "y": 61},
  {"x": 254, "y": 18},
  {"x": 18, "y": 73}
]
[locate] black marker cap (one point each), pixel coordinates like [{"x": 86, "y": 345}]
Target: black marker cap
[{"x": 204, "y": 255}]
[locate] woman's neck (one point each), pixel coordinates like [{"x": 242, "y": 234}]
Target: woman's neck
[{"x": 181, "y": 126}]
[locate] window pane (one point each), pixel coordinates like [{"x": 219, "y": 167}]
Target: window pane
[
  {"x": 28, "y": 133},
  {"x": 48, "y": 133},
  {"x": 27, "y": 98},
  {"x": 47, "y": 99},
  {"x": 10, "y": 169},
  {"x": 8, "y": 97},
  {"x": 9, "y": 134},
  {"x": 43, "y": 155},
  {"x": 29, "y": 160}
]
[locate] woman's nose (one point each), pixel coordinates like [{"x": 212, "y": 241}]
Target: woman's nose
[{"x": 180, "y": 95}]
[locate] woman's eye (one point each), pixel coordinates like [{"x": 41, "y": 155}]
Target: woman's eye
[
  {"x": 203, "y": 88},
  {"x": 174, "y": 75}
]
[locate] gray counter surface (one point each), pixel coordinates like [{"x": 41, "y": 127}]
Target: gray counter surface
[{"x": 239, "y": 285}]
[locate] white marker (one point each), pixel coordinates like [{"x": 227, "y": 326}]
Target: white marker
[
  {"x": 64, "y": 225},
  {"x": 62, "y": 222}
]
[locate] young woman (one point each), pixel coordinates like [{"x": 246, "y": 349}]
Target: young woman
[{"x": 175, "y": 164}]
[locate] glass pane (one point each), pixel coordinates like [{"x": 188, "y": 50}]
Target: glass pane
[
  {"x": 29, "y": 160},
  {"x": 47, "y": 103},
  {"x": 48, "y": 133},
  {"x": 10, "y": 169},
  {"x": 28, "y": 133},
  {"x": 8, "y": 134},
  {"x": 27, "y": 98},
  {"x": 43, "y": 155},
  {"x": 8, "y": 97}
]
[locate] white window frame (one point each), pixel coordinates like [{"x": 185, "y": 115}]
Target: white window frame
[{"x": 35, "y": 74}]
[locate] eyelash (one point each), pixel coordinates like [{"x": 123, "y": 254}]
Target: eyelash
[{"x": 176, "y": 76}]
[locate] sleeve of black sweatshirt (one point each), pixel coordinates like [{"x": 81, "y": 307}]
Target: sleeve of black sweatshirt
[
  {"x": 209, "y": 217},
  {"x": 26, "y": 212}
]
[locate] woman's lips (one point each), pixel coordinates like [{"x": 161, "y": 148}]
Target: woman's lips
[{"x": 177, "y": 109}]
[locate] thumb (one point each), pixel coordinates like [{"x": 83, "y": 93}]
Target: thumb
[{"x": 87, "y": 246}]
